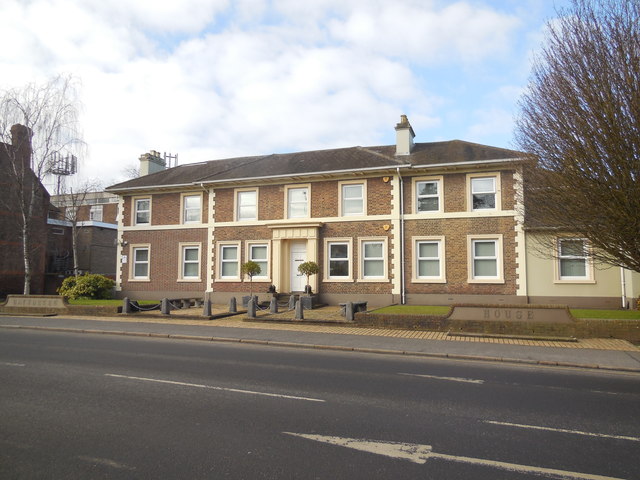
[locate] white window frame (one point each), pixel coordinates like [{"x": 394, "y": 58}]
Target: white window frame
[
  {"x": 499, "y": 254},
  {"x": 497, "y": 192},
  {"x": 222, "y": 246},
  {"x": 587, "y": 258},
  {"x": 183, "y": 262},
  {"x": 184, "y": 210},
  {"x": 363, "y": 198},
  {"x": 95, "y": 213},
  {"x": 236, "y": 204},
  {"x": 438, "y": 180},
  {"x": 442, "y": 277},
  {"x": 263, "y": 276},
  {"x": 385, "y": 259},
  {"x": 327, "y": 256},
  {"x": 132, "y": 269},
  {"x": 287, "y": 209},
  {"x": 135, "y": 210}
]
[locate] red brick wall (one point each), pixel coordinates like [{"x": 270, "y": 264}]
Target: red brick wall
[{"x": 165, "y": 259}]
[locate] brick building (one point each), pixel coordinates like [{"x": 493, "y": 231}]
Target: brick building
[
  {"x": 420, "y": 223},
  {"x": 17, "y": 181},
  {"x": 96, "y": 237}
]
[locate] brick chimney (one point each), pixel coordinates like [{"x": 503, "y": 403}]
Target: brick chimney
[
  {"x": 21, "y": 142},
  {"x": 151, "y": 162},
  {"x": 404, "y": 136}
]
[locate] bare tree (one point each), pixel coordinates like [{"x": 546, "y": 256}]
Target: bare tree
[
  {"x": 71, "y": 203},
  {"x": 37, "y": 123},
  {"x": 580, "y": 122}
]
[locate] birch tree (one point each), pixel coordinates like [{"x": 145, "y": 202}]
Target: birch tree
[{"x": 50, "y": 113}]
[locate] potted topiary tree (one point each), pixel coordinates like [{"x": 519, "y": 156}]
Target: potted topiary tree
[
  {"x": 250, "y": 269},
  {"x": 308, "y": 269}
]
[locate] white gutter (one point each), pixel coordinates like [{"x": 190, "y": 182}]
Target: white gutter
[
  {"x": 402, "y": 286},
  {"x": 624, "y": 288}
]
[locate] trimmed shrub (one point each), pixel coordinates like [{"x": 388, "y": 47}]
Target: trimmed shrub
[{"x": 92, "y": 286}]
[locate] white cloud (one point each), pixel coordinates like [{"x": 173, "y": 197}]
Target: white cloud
[{"x": 217, "y": 78}]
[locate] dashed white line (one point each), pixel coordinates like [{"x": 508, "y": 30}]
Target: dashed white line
[
  {"x": 451, "y": 379},
  {"x": 563, "y": 430},
  {"x": 9, "y": 364},
  {"x": 210, "y": 387}
]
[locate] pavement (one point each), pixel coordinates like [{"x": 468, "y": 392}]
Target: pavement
[{"x": 323, "y": 329}]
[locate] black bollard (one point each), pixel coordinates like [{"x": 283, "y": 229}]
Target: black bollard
[
  {"x": 126, "y": 306},
  {"x": 299, "y": 310},
  {"x": 165, "y": 308},
  {"x": 206, "y": 311},
  {"x": 233, "y": 308},
  {"x": 349, "y": 311},
  {"x": 251, "y": 309}
]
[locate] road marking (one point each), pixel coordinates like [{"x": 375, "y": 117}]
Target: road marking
[
  {"x": 234, "y": 390},
  {"x": 106, "y": 462},
  {"x": 9, "y": 364},
  {"x": 421, "y": 453},
  {"x": 452, "y": 379},
  {"x": 563, "y": 430}
]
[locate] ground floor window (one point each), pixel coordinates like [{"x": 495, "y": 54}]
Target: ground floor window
[
  {"x": 485, "y": 259},
  {"x": 429, "y": 260},
  {"x": 229, "y": 267},
  {"x": 190, "y": 262},
  {"x": 573, "y": 259},
  {"x": 140, "y": 263}
]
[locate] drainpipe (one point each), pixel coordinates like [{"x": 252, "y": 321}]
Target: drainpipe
[
  {"x": 624, "y": 288},
  {"x": 402, "y": 292}
]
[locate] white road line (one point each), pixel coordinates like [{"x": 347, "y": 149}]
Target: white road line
[
  {"x": 451, "y": 379},
  {"x": 106, "y": 462},
  {"x": 417, "y": 453},
  {"x": 234, "y": 390},
  {"x": 9, "y": 364},
  {"x": 562, "y": 430}
]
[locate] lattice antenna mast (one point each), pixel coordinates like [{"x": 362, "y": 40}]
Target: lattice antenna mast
[
  {"x": 170, "y": 160},
  {"x": 62, "y": 166}
]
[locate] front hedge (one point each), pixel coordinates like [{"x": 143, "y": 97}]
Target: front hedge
[{"x": 93, "y": 286}]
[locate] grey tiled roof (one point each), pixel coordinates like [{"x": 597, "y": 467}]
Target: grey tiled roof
[{"x": 318, "y": 162}]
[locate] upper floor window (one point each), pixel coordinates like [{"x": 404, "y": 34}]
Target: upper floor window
[
  {"x": 246, "y": 205},
  {"x": 192, "y": 208},
  {"x": 142, "y": 211},
  {"x": 484, "y": 193},
  {"x": 298, "y": 202},
  {"x": 573, "y": 259},
  {"x": 427, "y": 196},
  {"x": 95, "y": 213},
  {"x": 352, "y": 199}
]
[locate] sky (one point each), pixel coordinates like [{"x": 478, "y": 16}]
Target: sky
[{"x": 213, "y": 79}]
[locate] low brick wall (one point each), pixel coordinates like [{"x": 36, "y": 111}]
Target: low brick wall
[
  {"x": 563, "y": 327},
  {"x": 604, "y": 328}
]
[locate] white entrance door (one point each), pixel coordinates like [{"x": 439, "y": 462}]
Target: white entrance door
[{"x": 298, "y": 256}]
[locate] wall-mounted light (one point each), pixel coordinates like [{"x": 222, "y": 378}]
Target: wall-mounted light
[
  {"x": 386, "y": 227},
  {"x": 386, "y": 179}
]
